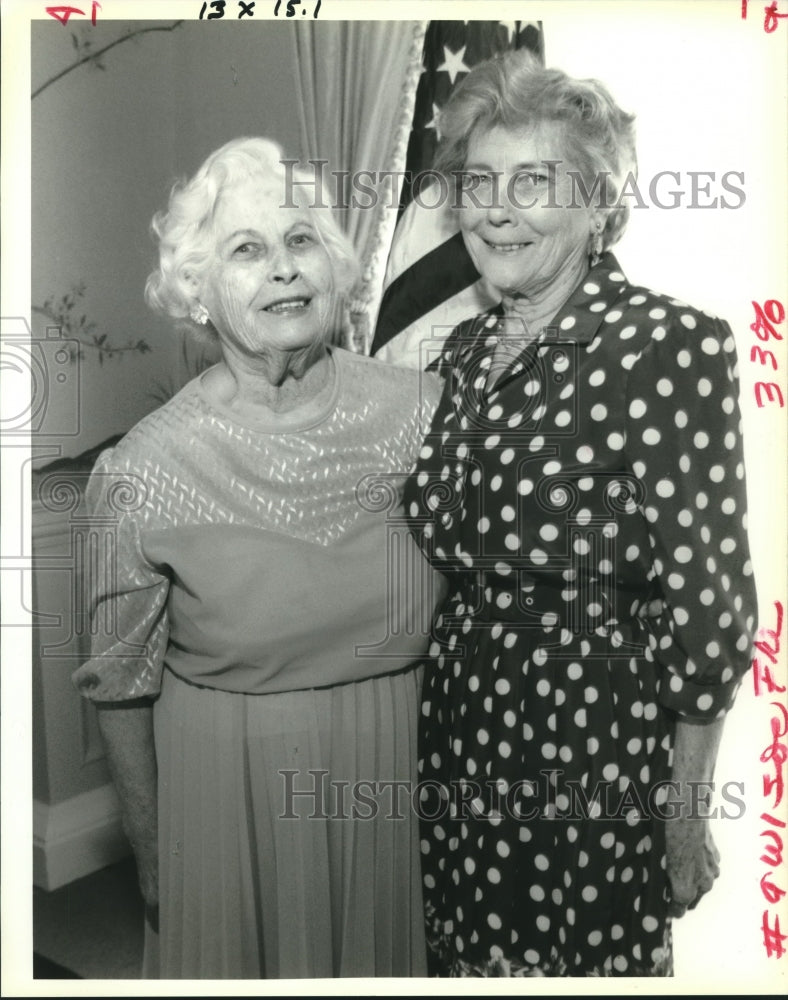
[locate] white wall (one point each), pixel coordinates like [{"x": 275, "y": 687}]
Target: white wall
[{"x": 709, "y": 91}]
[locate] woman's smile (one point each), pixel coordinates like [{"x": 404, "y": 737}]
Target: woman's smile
[{"x": 289, "y": 306}]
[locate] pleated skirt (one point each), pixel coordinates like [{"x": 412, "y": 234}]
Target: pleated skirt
[{"x": 288, "y": 841}]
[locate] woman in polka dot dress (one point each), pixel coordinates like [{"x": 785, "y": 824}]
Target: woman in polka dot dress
[{"x": 583, "y": 488}]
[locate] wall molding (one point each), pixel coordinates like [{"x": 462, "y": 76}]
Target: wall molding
[{"x": 76, "y": 837}]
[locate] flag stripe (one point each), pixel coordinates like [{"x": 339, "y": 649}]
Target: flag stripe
[{"x": 436, "y": 276}]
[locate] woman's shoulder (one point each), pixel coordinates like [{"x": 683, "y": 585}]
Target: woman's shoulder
[
  {"x": 386, "y": 384},
  {"x": 156, "y": 434},
  {"x": 667, "y": 310}
]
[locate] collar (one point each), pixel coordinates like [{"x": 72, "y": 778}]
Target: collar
[{"x": 581, "y": 316}]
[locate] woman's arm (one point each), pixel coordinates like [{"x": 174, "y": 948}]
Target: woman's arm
[
  {"x": 691, "y": 855},
  {"x": 127, "y": 730}
]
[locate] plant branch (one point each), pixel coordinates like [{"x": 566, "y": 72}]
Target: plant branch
[{"x": 95, "y": 55}]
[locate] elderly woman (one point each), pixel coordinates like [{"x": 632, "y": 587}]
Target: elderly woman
[
  {"x": 583, "y": 488},
  {"x": 256, "y": 691}
]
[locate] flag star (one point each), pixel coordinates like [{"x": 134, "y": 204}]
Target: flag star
[
  {"x": 453, "y": 63},
  {"x": 510, "y": 28},
  {"x": 434, "y": 123}
]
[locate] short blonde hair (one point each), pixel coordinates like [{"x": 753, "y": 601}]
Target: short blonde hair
[
  {"x": 184, "y": 230},
  {"x": 516, "y": 92}
]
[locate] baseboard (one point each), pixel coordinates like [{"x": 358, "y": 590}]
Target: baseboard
[{"x": 76, "y": 837}]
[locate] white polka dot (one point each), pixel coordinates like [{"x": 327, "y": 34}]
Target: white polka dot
[
  {"x": 507, "y": 455},
  {"x": 598, "y": 412},
  {"x": 567, "y": 322},
  {"x": 596, "y": 378},
  {"x": 548, "y": 532},
  {"x": 563, "y": 418},
  {"x": 704, "y": 387},
  {"x": 681, "y": 419},
  {"x": 496, "y": 483},
  {"x": 689, "y": 321},
  {"x": 657, "y": 313},
  {"x": 537, "y": 556},
  {"x": 705, "y": 701},
  {"x": 507, "y": 513},
  {"x": 665, "y": 488},
  {"x": 637, "y": 408},
  {"x": 524, "y": 487},
  {"x": 484, "y": 525},
  {"x": 684, "y": 359},
  {"x": 710, "y": 346},
  {"x": 496, "y": 412},
  {"x": 716, "y": 473},
  {"x": 591, "y": 288},
  {"x": 701, "y": 439},
  {"x": 615, "y": 441},
  {"x": 664, "y": 387},
  {"x": 651, "y": 436}
]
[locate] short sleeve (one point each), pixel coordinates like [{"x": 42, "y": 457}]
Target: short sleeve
[
  {"x": 127, "y": 595},
  {"x": 684, "y": 444}
]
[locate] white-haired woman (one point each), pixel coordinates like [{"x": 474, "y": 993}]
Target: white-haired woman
[
  {"x": 584, "y": 468},
  {"x": 256, "y": 694}
]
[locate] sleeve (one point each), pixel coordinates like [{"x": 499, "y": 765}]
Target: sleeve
[
  {"x": 684, "y": 444},
  {"x": 127, "y": 595}
]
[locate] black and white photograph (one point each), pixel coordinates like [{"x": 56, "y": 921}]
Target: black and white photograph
[{"x": 394, "y": 497}]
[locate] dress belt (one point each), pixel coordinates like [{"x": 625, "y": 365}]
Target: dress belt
[{"x": 541, "y": 606}]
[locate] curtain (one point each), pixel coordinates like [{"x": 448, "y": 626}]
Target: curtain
[{"x": 356, "y": 83}]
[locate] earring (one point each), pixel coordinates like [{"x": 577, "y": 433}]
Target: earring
[
  {"x": 199, "y": 314},
  {"x": 596, "y": 244}
]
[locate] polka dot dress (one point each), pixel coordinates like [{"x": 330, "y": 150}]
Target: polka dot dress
[{"x": 588, "y": 507}]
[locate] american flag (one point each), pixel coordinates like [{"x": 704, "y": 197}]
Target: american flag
[{"x": 430, "y": 283}]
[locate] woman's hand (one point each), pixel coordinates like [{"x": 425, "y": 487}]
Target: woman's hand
[
  {"x": 693, "y": 862},
  {"x": 692, "y": 859}
]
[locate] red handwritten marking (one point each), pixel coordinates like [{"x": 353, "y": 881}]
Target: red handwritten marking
[
  {"x": 771, "y": 893},
  {"x": 772, "y": 937},
  {"x": 62, "y": 14},
  {"x": 771, "y": 19},
  {"x": 767, "y": 644},
  {"x": 771, "y": 15},
  {"x": 767, "y": 318}
]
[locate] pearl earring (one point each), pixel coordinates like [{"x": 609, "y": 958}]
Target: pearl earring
[
  {"x": 596, "y": 245},
  {"x": 199, "y": 314}
]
